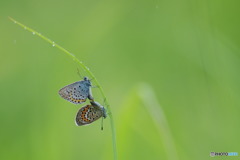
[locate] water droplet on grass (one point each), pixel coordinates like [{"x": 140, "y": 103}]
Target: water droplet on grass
[{"x": 33, "y": 33}]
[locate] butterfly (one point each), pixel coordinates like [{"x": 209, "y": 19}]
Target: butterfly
[
  {"x": 90, "y": 113},
  {"x": 77, "y": 92}
]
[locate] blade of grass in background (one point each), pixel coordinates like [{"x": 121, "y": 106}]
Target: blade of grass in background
[
  {"x": 144, "y": 127},
  {"x": 85, "y": 68},
  {"x": 153, "y": 107}
]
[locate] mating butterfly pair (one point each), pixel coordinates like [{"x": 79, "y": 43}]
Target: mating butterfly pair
[{"x": 77, "y": 93}]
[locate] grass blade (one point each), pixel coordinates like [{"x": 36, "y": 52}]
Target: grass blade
[{"x": 85, "y": 68}]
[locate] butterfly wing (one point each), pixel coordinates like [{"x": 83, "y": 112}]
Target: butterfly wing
[
  {"x": 88, "y": 114},
  {"x": 76, "y": 93}
]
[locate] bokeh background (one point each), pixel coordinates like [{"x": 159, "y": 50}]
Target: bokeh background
[{"x": 169, "y": 69}]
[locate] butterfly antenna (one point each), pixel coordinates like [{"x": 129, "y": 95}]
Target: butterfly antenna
[
  {"x": 104, "y": 101},
  {"x": 79, "y": 74}
]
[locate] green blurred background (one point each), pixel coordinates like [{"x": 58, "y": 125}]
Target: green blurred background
[{"x": 169, "y": 69}]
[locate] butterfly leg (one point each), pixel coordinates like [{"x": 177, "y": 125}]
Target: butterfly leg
[{"x": 95, "y": 86}]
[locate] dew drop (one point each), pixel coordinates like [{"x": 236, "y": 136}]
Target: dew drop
[
  {"x": 53, "y": 44},
  {"x": 33, "y": 33}
]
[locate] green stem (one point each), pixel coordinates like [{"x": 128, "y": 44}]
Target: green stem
[{"x": 87, "y": 70}]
